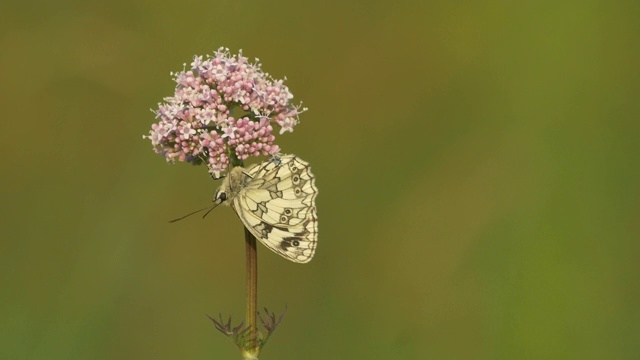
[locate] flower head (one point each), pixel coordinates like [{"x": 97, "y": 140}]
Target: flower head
[{"x": 224, "y": 108}]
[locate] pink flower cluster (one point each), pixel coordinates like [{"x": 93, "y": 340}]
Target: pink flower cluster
[{"x": 224, "y": 108}]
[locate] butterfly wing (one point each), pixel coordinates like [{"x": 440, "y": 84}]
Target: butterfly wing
[{"x": 277, "y": 205}]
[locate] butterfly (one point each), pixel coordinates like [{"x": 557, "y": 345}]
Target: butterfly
[{"x": 275, "y": 200}]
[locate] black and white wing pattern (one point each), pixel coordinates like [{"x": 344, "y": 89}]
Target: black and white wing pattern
[{"x": 277, "y": 205}]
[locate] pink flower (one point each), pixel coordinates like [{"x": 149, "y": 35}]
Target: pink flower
[{"x": 223, "y": 110}]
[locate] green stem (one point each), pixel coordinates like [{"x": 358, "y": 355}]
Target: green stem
[
  {"x": 233, "y": 158},
  {"x": 250, "y": 352},
  {"x": 252, "y": 293}
]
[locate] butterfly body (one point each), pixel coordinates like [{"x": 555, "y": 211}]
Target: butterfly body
[{"x": 276, "y": 202}]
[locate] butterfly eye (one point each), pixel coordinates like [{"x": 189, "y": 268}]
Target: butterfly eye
[{"x": 222, "y": 196}]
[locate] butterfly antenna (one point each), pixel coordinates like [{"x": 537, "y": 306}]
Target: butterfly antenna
[
  {"x": 211, "y": 208},
  {"x": 195, "y": 212}
]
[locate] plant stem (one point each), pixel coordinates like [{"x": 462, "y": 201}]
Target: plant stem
[
  {"x": 250, "y": 352},
  {"x": 252, "y": 290}
]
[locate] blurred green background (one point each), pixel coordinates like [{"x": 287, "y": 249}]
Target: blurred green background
[{"x": 477, "y": 165}]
